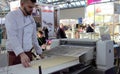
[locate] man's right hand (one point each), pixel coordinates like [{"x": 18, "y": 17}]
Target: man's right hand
[{"x": 25, "y": 60}]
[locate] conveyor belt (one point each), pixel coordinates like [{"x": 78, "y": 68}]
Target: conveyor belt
[
  {"x": 67, "y": 50},
  {"x": 53, "y": 61}
]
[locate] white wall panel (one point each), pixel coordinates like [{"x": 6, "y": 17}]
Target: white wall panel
[{"x": 74, "y": 13}]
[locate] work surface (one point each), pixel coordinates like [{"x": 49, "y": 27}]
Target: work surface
[
  {"x": 48, "y": 66},
  {"x": 67, "y": 50},
  {"x": 56, "y": 59}
]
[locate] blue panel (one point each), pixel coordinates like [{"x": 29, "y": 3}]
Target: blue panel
[{"x": 80, "y": 20}]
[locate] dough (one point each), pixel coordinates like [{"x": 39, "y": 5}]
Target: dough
[{"x": 54, "y": 61}]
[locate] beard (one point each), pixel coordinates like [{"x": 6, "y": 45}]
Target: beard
[{"x": 27, "y": 12}]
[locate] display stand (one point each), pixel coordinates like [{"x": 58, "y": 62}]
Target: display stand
[
  {"x": 105, "y": 14},
  {"x": 47, "y": 16}
]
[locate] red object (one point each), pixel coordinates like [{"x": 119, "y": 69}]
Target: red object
[
  {"x": 48, "y": 42},
  {"x": 98, "y": 10}
]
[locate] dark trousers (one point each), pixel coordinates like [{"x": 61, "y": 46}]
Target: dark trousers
[{"x": 13, "y": 59}]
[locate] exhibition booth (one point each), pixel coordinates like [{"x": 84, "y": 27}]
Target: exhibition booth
[
  {"x": 47, "y": 16},
  {"x": 80, "y": 51},
  {"x": 104, "y": 14}
]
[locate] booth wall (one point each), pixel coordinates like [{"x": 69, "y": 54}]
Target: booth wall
[{"x": 74, "y": 13}]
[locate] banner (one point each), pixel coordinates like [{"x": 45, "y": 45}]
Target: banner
[
  {"x": 95, "y": 1},
  {"x": 92, "y": 1},
  {"x": 100, "y": 12},
  {"x": 47, "y": 15},
  {"x": 104, "y": 8}
]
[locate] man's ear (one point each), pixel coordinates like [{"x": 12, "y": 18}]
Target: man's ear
[{"x": 21, "y": 4}]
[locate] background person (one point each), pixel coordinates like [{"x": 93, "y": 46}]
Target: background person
[
  {"x": 90, "y": 28},
  {"x": 61, "y": 32},
  {"x": 41, "y": 40},
  {"x": 45, "y": 29}
]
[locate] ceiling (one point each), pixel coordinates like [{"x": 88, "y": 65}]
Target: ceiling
[
  {"x": 4, "y": 5},
  {"x": 63, "y": 4}
]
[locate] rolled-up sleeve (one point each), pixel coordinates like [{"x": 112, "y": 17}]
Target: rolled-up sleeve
[
  {"x": 35, "y": 41},
  {"x": 12, "y": 32}
]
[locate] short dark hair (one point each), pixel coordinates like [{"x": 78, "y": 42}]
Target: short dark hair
[
  {"x": 23, "y": 1},
  {"x": 41, "y": 32}
]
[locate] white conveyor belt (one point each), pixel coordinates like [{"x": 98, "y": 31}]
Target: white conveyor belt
[
  {"x": 48, "y": 65},
  {"x": 58, "y": 58}
]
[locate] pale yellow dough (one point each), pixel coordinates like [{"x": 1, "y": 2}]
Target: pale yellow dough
[{"x": 54, "y": 61}]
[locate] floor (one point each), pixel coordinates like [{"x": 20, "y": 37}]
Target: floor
[
  {"x": 95, "y": 71},
  {"x": 90, "y": 70}
]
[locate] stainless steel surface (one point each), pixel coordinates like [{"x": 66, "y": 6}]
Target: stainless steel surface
[{"x": 67, "y": 50}]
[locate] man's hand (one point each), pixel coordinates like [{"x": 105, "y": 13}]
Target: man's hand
[
  {"x": 25, "y": 60},
  {"x": 43, "y": 46},
  {"x": 41, "y": 56}
]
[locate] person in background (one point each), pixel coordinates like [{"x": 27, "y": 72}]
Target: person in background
[
  {"x": 90, "y": 28},
  {"x": 41, "y": 40},
  {"x": 0, "y": 35},
  {"x": 21, "y": 34},
  {"x": 45, "y": 29},
  {"x": 61, "y": 32}
]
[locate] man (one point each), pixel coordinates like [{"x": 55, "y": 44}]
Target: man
[
  {"x": 45, "y": 29},
  {"x": 61, "y": 32},
  {"x": 0, "y": 35},
  {"x": 90, "y": 28},
  {"x": 41, "y": 40},
  {"x": 21, "y": 34}
]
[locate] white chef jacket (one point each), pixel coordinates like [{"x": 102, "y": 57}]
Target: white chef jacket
[{"x": 21, "y": 33}]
